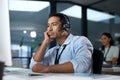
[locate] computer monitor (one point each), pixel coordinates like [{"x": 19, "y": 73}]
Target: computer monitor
[{"x": 5, "y": 40}]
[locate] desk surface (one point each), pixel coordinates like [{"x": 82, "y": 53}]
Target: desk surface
[
  {"x": 113, "y": 70},
  {"x": 24, "y": 74}
]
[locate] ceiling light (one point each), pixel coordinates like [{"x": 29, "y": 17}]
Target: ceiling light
[
  {"x": 33, "y": 34},
  {"x": 32, "y": 6},
  {"x": 75, "y": 11},
  {"x": 24, "y": 31},
  {"x": 98, "y": 16}
]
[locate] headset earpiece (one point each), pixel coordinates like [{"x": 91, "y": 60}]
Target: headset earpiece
[{"x": 66, "y": 25}]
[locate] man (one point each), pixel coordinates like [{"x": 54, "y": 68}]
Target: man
[{"x": 73, "y": 53}]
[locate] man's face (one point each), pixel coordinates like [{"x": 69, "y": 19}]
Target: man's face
[{"x": 54, "y": 27}]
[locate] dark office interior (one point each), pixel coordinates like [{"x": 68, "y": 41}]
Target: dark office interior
[{"x": 89, "y": 18}]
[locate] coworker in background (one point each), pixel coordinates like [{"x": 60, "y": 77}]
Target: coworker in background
[
  {"x": 73, "y": 53},
  {"x": 110, "y": 51}
]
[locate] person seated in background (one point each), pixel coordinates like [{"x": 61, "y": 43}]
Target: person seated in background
[
  {"x": 72, "y": 54},
  {"x": 111, "y": 52}
]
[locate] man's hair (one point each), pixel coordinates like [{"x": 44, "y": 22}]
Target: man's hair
[{"x": 63, "y": 19}]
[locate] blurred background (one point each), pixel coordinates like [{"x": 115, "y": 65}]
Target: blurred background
[{"x": 28, "y": 21}]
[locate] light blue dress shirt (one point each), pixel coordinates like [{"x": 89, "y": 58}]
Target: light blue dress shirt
[{"x": 78, "y": 51}]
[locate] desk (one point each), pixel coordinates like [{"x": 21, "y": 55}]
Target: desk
[
  {"x": 113, "y": 70},
  {"x": 23, "y": 74}
]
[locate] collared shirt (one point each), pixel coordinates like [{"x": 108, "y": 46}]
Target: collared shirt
[{"x": 78, "y": 51}]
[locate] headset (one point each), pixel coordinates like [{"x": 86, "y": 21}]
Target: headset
[{"x": 66, "y": 23}]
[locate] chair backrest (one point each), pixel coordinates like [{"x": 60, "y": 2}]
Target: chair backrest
[
  {"x": 118, "y": 61},
  {"x": 97, "y": 57}
]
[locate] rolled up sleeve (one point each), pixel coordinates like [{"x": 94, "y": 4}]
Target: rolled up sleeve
[{"x": 82, "y": 62}]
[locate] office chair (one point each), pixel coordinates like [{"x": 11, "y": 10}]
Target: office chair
[{"x": 97, "y": 57}]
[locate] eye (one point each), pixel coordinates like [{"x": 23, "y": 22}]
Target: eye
[
  {"x": 54, "y": 24},
  {"x": 48, "y": 25}
]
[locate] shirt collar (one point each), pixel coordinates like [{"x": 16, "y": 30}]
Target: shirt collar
[{"x": 68, "y": 40}]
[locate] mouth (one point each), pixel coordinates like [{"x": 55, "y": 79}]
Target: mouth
[{"x": 50, "y": 33}]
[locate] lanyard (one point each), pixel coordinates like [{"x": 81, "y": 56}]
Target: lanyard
[
  {"x": 58, "y": 56},
  {"x": 106, "y": 53}
]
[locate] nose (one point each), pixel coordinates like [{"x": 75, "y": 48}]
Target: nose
[{"x": 49, "y": 28}]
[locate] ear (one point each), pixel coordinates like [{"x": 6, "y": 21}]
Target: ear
[{"x": 109, "y": 39}]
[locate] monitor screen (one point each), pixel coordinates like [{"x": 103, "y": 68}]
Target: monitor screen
[{"x": 5, "y": 41}]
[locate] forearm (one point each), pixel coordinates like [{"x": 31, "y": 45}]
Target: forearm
[
  {"x": 60, "y": 68},
  {"x": 39, "y": 54},
  {"x": 114, "y": 61}
]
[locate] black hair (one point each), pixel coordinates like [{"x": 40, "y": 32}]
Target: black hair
[{"x": 109, "y": 36}]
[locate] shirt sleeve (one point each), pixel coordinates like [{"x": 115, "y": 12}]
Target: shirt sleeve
[
  {"x": 32, "y": 63},
  {"x": 115, "y": 52},
  {"x": 82, "y": 61}
]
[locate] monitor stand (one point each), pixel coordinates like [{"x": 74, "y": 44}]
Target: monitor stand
[{"x": 1, "y": 70}]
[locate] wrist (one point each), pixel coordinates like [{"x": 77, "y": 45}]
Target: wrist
[
  {"x": 46, "y": 42},
  {"x": 47, "y": 69}
]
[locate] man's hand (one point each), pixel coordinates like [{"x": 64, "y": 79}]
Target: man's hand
[
  {"x": 40, "y": 68},
  {"x": 47, "y": 37}
]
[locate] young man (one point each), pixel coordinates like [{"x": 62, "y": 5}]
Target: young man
[{"x": 73, "y": 53}]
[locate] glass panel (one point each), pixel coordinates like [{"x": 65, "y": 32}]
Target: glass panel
[
  {"x": 74, "y": 13},
  {"x": 106, "y": 23},
  {"x": 28, "y": 20}
]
